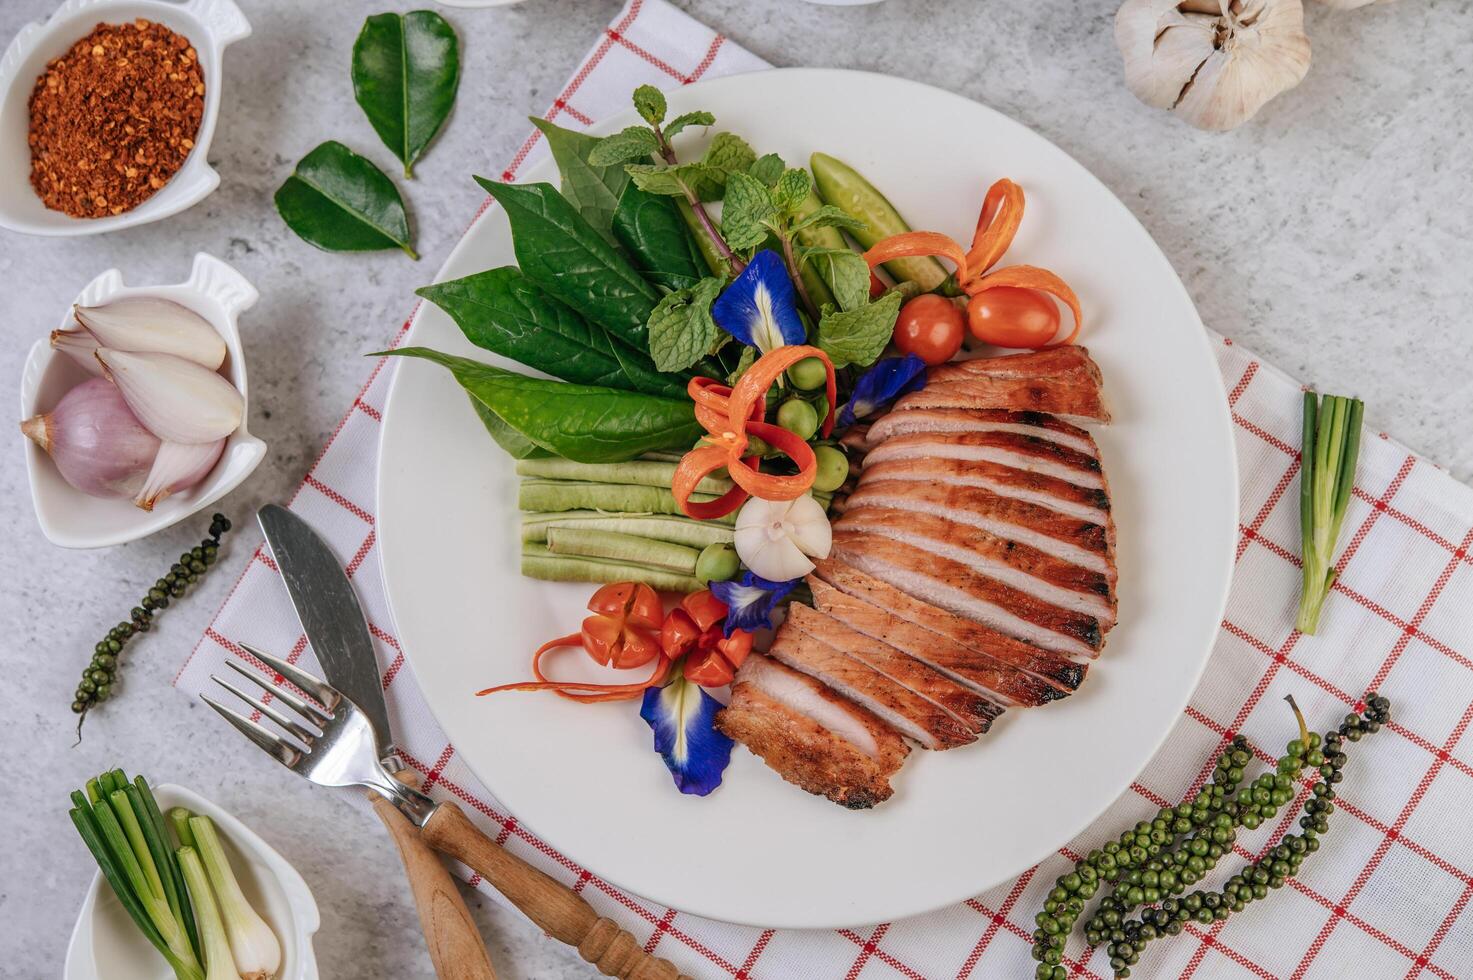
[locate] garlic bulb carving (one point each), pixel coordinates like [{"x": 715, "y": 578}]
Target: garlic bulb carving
[{"x": 1214, "y": 63}]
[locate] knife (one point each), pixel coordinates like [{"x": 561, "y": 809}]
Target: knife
[
  {"x": 328, "y": 610},
  {"x": 333, "y": 620}
]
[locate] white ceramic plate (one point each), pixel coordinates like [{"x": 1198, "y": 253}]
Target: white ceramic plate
[{"x": 759, "y": 851}]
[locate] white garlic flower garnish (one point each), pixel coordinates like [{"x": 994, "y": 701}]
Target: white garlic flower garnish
[{"x": 1214, "y": 63}]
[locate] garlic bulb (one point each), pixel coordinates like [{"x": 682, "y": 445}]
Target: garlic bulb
[
  {"x": 176, "y": 399},
  {"x": 161, "y": 326},
  {"x": 1214, "y": 63},
  {"x": 94, "y": 440},
  {"x": 776, "y": 538}
]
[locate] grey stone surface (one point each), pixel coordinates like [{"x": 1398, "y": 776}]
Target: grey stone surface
[{"x": 1331, "y": 234}]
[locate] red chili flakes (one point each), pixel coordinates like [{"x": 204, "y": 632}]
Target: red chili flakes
[{"x": 114, "y": 118}]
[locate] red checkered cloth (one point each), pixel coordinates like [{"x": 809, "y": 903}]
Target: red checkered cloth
[{"x": 1387, "y": 896}]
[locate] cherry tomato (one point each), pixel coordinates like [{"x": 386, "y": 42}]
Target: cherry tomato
[
  {"x": 1007, "y": 316},
  {"x": 679, "y": 634},
  {"x": 736, "y": 647},
  {"x": 931, "y": 328},
  {"x": 704, "y": 608},
  {"x": 621, "y": 633},
  {"x": 708, "y": 668}
]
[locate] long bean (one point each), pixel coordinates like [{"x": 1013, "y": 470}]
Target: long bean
[
  {"x": 613, "y": 546},
  {"x": 659, "y": 527},
  {"x": 539, "y": 563},
  {"x": 644, "y": 473}
]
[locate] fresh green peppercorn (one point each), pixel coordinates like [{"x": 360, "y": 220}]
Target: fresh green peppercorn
[
  {"x": 798, "y": 417},
  {"x": 809, "y": 374},
  {"x": 832, "y": 470},
  {"x": 717, "y": 562}
]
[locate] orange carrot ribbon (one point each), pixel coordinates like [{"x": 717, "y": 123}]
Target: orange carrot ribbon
[{"x": 569, "y": 689}]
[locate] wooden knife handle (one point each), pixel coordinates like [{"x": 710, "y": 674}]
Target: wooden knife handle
[
  {"x": 456, "y": 948},
  {"x": 556, "y": 908}
]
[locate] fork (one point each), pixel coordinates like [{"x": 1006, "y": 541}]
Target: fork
[{"x": 334, "y": 745}]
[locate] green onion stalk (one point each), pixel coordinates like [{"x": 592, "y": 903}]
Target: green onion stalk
[{"x": 1327, "y": 474}]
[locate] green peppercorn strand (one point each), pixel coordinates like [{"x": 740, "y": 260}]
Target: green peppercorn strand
[
  {"x": 1270, "y": 871},
  {"x": 99, "y": 676}
]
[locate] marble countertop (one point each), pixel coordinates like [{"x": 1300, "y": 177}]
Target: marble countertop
[{"x": 1331, "y": 234}]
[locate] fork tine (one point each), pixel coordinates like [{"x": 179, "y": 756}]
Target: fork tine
[
  {"x": 305, "y": 735},
  {"x": 269, "y": 742},
  {"x": 302, "y": 706},
  {"x": 315, "y": 687}
]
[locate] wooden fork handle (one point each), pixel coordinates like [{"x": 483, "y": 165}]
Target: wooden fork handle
[
  {"x": 556, "y": 908},
  {"x": 456, "y": 948}
]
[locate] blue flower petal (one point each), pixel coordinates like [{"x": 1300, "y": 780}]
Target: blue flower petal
[
  {"x": 750, "y": 601},
  {"x": 682, "y": 715},
  {"x": 759, "y": 307},
  {"x": 886, "y": 381}
]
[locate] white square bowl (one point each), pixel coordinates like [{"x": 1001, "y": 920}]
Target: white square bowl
[
  {"x": 210, "y": 25},
  {"x": 73, "y": 519}
]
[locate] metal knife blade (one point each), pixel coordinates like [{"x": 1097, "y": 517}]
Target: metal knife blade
[{"x": 330, "y": 614}]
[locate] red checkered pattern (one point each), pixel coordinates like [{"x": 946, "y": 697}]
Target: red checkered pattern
[{"x": 1388, "y": 894}]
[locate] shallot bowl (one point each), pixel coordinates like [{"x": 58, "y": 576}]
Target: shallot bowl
[{"x": 73, "y": 519}]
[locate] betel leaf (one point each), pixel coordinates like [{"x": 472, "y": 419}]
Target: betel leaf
[
  {"x": 653, "y": 231},
  {"x": 858, "y": 336},
  {"x": 340, "y": 202},
  {"x": 632, "y": 143},
  {"x": 681, "y": 328},
  {"x": 406, "y": 69},
  {"x": 686, "y": 119},
  {"x": 843, "y": 271},
  {"x": 594, "y": 191},
  {"x": 649, "y": 102},
  {"x": 746, "y": 212},
  {"x": 560, "y": 251},
  {"x": 503, "y": 311},
  {"x": 512, "y": 442},
  {"x": 584, "y": 423}
]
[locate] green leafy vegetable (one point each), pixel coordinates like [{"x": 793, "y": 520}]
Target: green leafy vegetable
[
  {"x": 681, "y": 328},
  {"x": 728, "y": 154},
  {"x": 633, "y": 143},
  {"x": 649, "y": 102},
  {"x": 566, "y": 256},
  {"x": 768, "y": 169},
  {"x": 844, "y": 272},
  {"x": 579, "y": 422},
  {"x": 748, "y": 212},
  {"x": 1326, "y": 477},
  {"x": 406, "y": 69},
  {"x": 828, "y": 216},
  {"x": 791, "y": 190},
  {"x": 339, "y": 202},
  {"x": 654, "y": 232},
  {"x": 593, "y": 190},
  {"x": 512, "y": 442},
  {"x": 503, "y": 311},
  {"x": 686, "y": 119},
  {"x": 858, "y": 336}
]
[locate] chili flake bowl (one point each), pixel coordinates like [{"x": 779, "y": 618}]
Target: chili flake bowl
[
  {"x": 106, "y": 945},
  {"x": 73, "y": 519},
  {"x": 210, "y": 25}
]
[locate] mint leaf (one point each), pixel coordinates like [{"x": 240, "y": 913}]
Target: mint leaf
[
  {"x": 768, "y": 168},
  {"x": 791, "y": 190},
  {"x": 727, "y": 154},
  {"x": 829, "y": 216},
  {"x": 745, "y": 212},
  {"x": 859, "y": 336},
  {"x": 633, "y": 143},
  {"x": 688, "y": 119},
  {"x": 649, "y": 102},
  {"x": 681, "y": 329},
  {"x": 748, "y": 358},
  {"x": 844, "y": 272},
  {"x": 669, "y": 181}
]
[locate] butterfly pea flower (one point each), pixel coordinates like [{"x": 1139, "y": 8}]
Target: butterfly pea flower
[
  {"x": 884, "y": 382},
  {"x": 759, "y": 308},
  {"x": 682, "y": 716},
  {"x": 750, "y": 600}
]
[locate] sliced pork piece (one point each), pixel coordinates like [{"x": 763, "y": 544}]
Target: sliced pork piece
[
  {"x": 810, "y": 736},
  {"x": 1027, "y": 453},
  {"x": 1081, "y": 503},
  {"x": 910, "y": 714},
  {"x": 1055, "y": 669},
  {"x": 1020, "y": 566},
  {"x": 966, "y": 420},
  {"x": 998, "y": 681},
  {"x": 963, "y": 703},
  {"x": 1067, "y": 538},
  {"x": 1069, "y": 363},
  {"x": 965, "y": 591},
  {"x": 1063, "y": 381}
]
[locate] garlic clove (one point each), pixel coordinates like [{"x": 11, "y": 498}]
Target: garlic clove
[
  {"x": 1162, "y": 47},
  {"x": 96, "y": 443},
  {"x": 80, "y": 346},
  {"x": 153, "y": 325},
  {"x": 178, "y": 466},
  {"x": 176, "y": 399}
]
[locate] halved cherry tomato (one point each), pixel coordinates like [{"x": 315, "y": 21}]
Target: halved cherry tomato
[
  {"x": 704, "y": 608},
  {"x": 615, "y": 643},
  {"x": 736, "y": 647},
  {"x": 1006, "y": 316},
  {"x": 679, "y": 634},
  {"x": 930, "y": 327},
  {"x": 635, "y": 602},
  {"x": 708, "y": 668}
]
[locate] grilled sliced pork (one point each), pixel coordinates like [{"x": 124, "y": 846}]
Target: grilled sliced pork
[
  {"x": 1066, "y": 538},
  {"x": 1027, "y": 453},
  {"x": 1082, "y": 503},
  {"x": 1063, "y": 381},
  {"x": 1016, "y": 565},
  {"x": 1071, "y": 363},
  {"x": 998, "y": 681},
  {"x": 810, "y": 736},
  {"x": 965, "y": 420},
  {"x": 1057, "y": 670},
  {"x": 961, "y": 702},
  {"x": 910, "y": 714},
  {"x": 965, "y": 591}
]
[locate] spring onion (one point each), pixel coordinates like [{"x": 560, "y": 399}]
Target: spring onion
[
  {"x": 214, "y": 945},
  {"x": 1327, "y": 473},
  {"x": 252, "y": 944}
]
